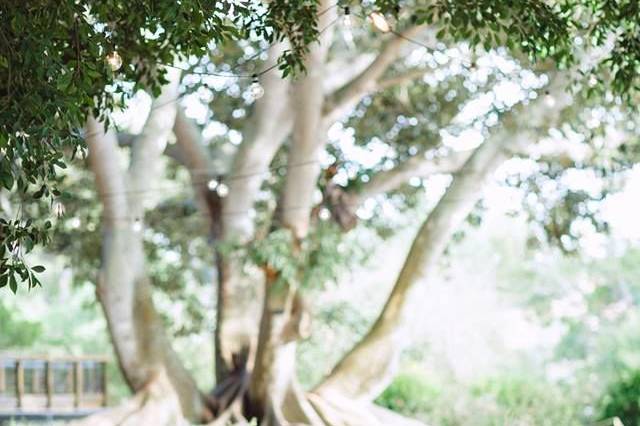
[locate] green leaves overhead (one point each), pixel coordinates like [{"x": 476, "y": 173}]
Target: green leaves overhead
[
  {"x": 53, "y": 72},
  {"x": 533, "y": 26}
]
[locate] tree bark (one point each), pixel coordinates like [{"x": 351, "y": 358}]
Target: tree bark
[
  {"x": 238, "y": 296},
  {"x": 283, "y": 316},
  {"x": 369, "y": 367},
  {"x": 123, "y": 288}
]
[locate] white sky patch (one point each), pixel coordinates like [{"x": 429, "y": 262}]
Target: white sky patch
[
  {"x": 465, "y": 140},
  {"x": 134, "y": 116},
  {"x": 582, "y": 180},
  {"x": 214, "y": 129},
  {"x": 622, "y": 209},
  {"x": 195, "y": 109},
  {"x": 475, "y": 108},
  {"x": 508, "y": 93}
]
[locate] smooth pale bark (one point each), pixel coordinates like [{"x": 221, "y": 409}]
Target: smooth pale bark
[
  {"x": 368, "y": 368},
  {"x": 283, "y": 316},
  {"x": 269, "y": 125},
  {"x": 365, "y": 371},
  {"x": 156, "y": 404},
  {"x": 417, "y": 166},
  {"x": 238, "y": 296},
  {"x": 348, "y": 96},
  {"x": 123, "y": 288},
  {"x": 308, "y": 137}
]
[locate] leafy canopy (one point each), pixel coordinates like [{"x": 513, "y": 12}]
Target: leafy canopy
[{"x": 53, "y": 70}]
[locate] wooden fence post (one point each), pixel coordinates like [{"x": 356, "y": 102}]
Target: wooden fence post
[
  {"x": 49, "y": 383},
  {"x": 77, "y": 388},
  {"x": 104, "y": 383},
  {"x": 19, "y": 382},
  {"x": 3, "y": 384}
]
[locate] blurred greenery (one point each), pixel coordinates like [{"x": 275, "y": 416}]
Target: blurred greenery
[
  {"x": 622, "y": 399},
  {"x": 591, "y": 372}
]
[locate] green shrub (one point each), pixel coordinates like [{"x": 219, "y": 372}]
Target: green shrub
[
  {"x": 524, "y": 400},
  {"x": 622, "y": 399},
  {"x": 409, "y": 394}
]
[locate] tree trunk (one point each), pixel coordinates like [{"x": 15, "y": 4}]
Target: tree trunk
[
  {"x": 238, "y": 296},
  {"x": 283, "y": 315},
  {"x": 369, "y": 367},
  {"x": 123, "y": 288}
]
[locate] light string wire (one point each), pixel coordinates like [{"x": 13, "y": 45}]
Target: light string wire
[
  {"x": 228, "y": 74},
  {"x": 272, "y": 67},
  {"x": 208, "y": 176},
  {"x": 279, "y": 208}
]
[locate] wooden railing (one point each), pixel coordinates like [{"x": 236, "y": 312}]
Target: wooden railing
[{"x": 31, "y": 384}]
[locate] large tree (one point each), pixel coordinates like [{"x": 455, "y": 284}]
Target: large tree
[{"x": 409, "y": 90}]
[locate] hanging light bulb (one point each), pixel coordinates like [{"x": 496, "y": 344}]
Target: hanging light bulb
[
  {"x": 137, "y": 225},
  {"x": 549, "y": 100},
  {"x": 256, "y": 90},
  {"x": 58, "y": 209},
  {"x": 114, "y": 60},
  {"x": 212, "y": 184},
  {"x": 346, "y": 18},
  {"x": 324, "y": 214},
  {"x": 222, "y": 190},
  {"x": 380, "y": 22}
]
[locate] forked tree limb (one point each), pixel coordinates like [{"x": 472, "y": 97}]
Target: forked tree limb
[
  {"x": 367, "y": 369},
  {"x": 350, "y": 94},
  {"x": 123, "y": 287},
  {"x": 370, "y": 365}
]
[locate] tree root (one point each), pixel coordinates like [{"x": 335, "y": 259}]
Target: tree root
[
  {"x": 340, "y": 411},
  {"x": 156, "y": 404}
]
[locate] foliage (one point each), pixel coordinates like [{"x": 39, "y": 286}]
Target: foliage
[
  {"x": 15, "y": 331},
  {"x": 409, "y": 393},
  {"x": 622, "y": 399},
  {"x": 510, "y": 398},
  {"x": 535, "y": 27},
  {"x": 616, "y": 21},
  {"x": 527, "y": 400},
  {"x": 53, "y": 73},
  {"x": 312, "y": 262}
]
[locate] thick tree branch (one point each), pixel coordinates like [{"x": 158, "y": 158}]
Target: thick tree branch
[
  {"x": 402, "y": 78},
  {"x": 109, "y": 176},
  {"x": 147, "y": 149},
  {"x": 274, "y": 370},
  {"x": 350, "y": 94},
  {"x": 341, "y": 71},
  {"x": 308, "y": 137},
  {"x": 192, "y": 152},
  {"x": 356, "y": 379},
  {"x": 238, "y": 298},
  {"x": 368, "y": 368},
  {"x": 123, "y": 287},
  {"x": 269, "y": 125},
  {"x": 417, "y": 166}
]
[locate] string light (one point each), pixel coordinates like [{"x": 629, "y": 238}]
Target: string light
[
  {"x": 346, "y": 18},
  {"x": 255, "y": 89},
  {"x": 380, "y": 22},
  {"x": 347, "y": 24},
  {"x": 114, "y": 60},
  {"x": 137, "y": 225},
  {"x": 324, "y": 214},
  {"x": 222, "y": 190},
  {"x": 59, "y": 209},
  {"x": 212, "y": 184},
  {"x": 549, "y": 100}
]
